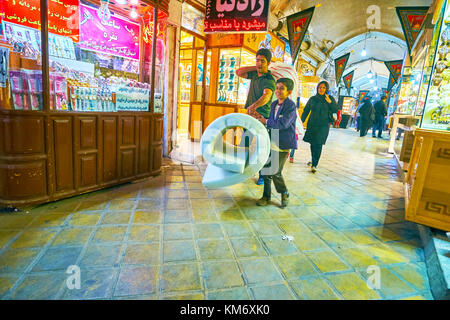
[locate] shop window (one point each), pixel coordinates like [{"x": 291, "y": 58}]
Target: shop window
[
  {"x": 160, "y": 69},
  {"x": 20, "y": 54}
]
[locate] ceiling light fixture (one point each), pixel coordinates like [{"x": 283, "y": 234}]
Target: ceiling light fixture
[
  {"x": 133, "y": 14},
  {"x": 135, "y": 2},
  {"x": 121, "y": 1}
]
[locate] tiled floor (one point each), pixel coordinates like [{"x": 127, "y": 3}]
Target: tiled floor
[{"x": 170, "y": 238}]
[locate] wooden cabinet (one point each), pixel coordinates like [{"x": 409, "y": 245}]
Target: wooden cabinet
[
  {"x": 428, "y": 180},
  {"x": 50, "y": 156}
]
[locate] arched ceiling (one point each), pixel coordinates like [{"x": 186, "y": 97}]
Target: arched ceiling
[{"x": 338, "y": 20}]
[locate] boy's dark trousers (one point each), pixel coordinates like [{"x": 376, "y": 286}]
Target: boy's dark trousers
[{"x": 277, "y": 178}]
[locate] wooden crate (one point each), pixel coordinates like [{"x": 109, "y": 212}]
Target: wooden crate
[{"x": 427, "y": 184}]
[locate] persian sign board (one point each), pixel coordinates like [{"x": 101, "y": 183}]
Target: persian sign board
[
  {"x": 236, "y": 16},
  {"x": 115, "y": 36},
  {"x": 62, "y": 15},
  {"x": 395, "y": 68},
  {"x": 362, "y": 94}
]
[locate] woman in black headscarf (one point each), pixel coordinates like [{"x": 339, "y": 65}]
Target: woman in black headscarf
[{"x": 320, "y": 109}]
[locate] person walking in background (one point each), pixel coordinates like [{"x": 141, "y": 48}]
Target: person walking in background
[
  {"x": 380, "y": 114},
  {"x": 319, "y": 108},
  {"x": 367, "y": 115},
  {"x": 260, "y": 93},
  {"x": 283, "y": 116}
]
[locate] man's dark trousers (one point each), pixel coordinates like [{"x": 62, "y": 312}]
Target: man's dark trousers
[
  {"x": 277, "y": 178},
  {"x": 378, "y": 124}
]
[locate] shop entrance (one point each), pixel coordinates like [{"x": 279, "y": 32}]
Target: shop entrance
[{"x": 190, "y": 95}]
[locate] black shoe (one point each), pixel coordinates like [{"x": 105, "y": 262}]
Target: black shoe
[
  {"x": 262, "y": 202},
  {"x": 309, "y": 164},
  {"x": 284, "y": 200}
]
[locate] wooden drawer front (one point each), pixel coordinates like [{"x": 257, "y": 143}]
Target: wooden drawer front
[
  {"x": 127, "y": 160},
  {"x": 63, "y": 153},
  {"x": 157, "y": 130},
  {"x": 88, "y": 171},
  {"x": 22, "y": 135},
  {"x": 157, "y": 158},
  {"x": 88, "y": 133},
  {"x": 144, "y": 145},
  {"x": 23, "y": 180},
  {"x": 109, "y": 150},
  {"x": 128, "y": 131}
]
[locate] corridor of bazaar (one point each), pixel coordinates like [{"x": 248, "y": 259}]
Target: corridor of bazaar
[{"x": 115, "y": 120}]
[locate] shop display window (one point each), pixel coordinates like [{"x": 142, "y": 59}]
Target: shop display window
[
  {"x": 404, "y": 105},
  {"x": 160, "y": 62},
  {"x": 192, "y": 19},
  {"x": 100, "y": 56},
  {"x": 20, "y": 55},
  {"x": 103, "y": 72},
  {"x": 436, "y": 113},
  {"x": 231, "y": 88}
]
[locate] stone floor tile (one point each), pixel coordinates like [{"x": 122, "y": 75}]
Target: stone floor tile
[
  {"x": 360, "y": 237},
  {"x": 327, "y": 261},
  {"x": 229, "y": 294},
  {"x": 182, "y": 231},
  {"x": 208, "y": 231},
  {"x": 33, "y": 238},
  {"x": 356, "y": 257},
  {"x": 6, "y": 283},
  {"x": 316, "y": 223},
  {"x": 247, "y": 247},
  {"x": 384, "y": 254},
  {"x": 177, "y": 216},
  {"x": 84, "y": 219},
  {"x": 314, "y": 288},
  {"x": 295, "y": 266},
  {"x": 334, "y": 238},
  {"x": 352, "y": 287},
  {"x": 6, "y": 236},
  {"x": 100, "y": 255},
  {"x": 141, "y": 233},
  {"x": 259, "y": 270},
  {"x": 17, "y": 260},
  {"x": 392, "y": 286},
  {"x": 384, "y": 234},
  {"x": 180, "y": 277},
  {"x": 237, "y": 229},
  {"x": 116, "y": 218},
  {"x": 219, "y": 275},
  {"x": 72, "y": 237},
  {"x": 277, "y": 246},
  {"x": 204, "y": 215},
  {"x": 137, "y": 280},
  {"x": 92, "y": 205},
  {"x": 273, "y": 292},
  {"x": 414, "y": 274},
  {"x": 178, "y": 251},
  {"x": 185, "y": 296},
  {"x": 147, "y": 217},
  {"x": 142, "y": 254},
  {"x": 232, "y": 214},
  {"x": 177, "y": 204},
  {"x": 57, "y": 259},
  {"x": 292, "y": 226},
  {"x": 264, "y": 228},
  {"x": 122, "y": 204},
  {"x": 95, "y": 284},
  {"x": 214, "y": 249},
  {"x": 40, "y": 287},
  {"x": 340, "y": 222},
  {"x": 110, "y": 234},
  {"x": 49, "y": 220},
  {"x": 308, "y": 241}
]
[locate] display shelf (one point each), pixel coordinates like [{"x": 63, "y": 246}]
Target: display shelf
[{"x": 436, "y": 113}]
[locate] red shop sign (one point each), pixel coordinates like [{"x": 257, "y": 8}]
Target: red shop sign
[
  {"x": 63, "y": 17},
  {"x": 236, "y": 15}
]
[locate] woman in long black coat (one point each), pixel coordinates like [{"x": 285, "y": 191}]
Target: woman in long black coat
[{"x": 320, "y": 109}]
